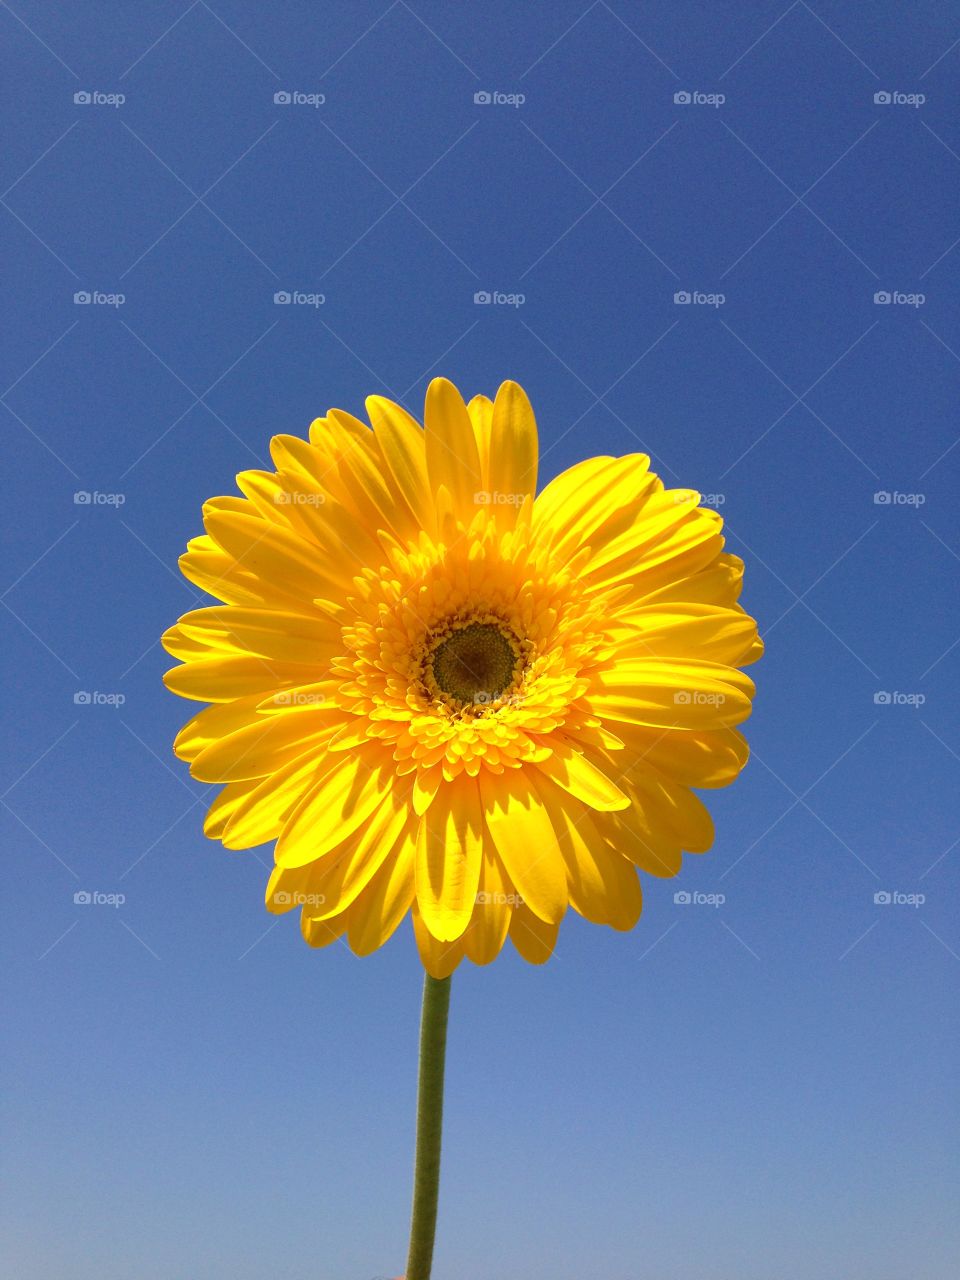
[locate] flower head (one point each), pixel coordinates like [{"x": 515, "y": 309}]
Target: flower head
[{"x": 442, "y": 693}]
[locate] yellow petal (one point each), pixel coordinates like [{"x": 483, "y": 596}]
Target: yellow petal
[
  {"x": 524, "y": 838},
  {"x": 343, "y": 797},
  {"x": 452, "y": 457},
  {"x": 534, "y": 938},
  {"x": 449, "y": 858},
  {"x": 387, "y": 899},
  {"x": 512, "y": 467},
  {"x": 574, "y": 772}
]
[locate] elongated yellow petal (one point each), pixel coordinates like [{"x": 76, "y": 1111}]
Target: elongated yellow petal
[
  {"x": 449, "y": 857},
  {"x": 451, "y": 446},
  {"x": 525, "y": 841},
  {"x": 574, "y": 772}
]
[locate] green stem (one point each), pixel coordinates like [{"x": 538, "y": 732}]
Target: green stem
[{"x": 426, "y": 1176}]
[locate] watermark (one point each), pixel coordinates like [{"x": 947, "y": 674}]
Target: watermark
[
  {"x": 298, "y": 698},
  {"x": 84, "y": 698},
  {"x": 693, "y": 898},
  {"x": 694, "y": 298},
  {"x": 94, "y": 298},
  {"x": 94, "y": 898},
  {"x": 494, "y": 98},
  {"x": 894, "y": 98},
  {"x": 883, "y": 698},
  {"x": 296, "y": 298},
  {"x": 494, "y": 298},
  {"x": 294, "y": 98},
  {"x": 893, "y": 298},
  {"x": 894, "y": 898},
  {"x": 494, "y": 498},
  {"x": 893, "y": 498},
  {"x": 698, "y": 698},
  {"x": 297, "y": 899},
  {"x": 484, "y": 899},
  {"x": 694, "y": 98},
  {"x": 94, "y": 498},
  {"x": 285, "y": 499},
  {"x": 94, "y": 98}
]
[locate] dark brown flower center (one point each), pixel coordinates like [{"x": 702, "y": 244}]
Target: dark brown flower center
[{"x": 474, "y": 664}]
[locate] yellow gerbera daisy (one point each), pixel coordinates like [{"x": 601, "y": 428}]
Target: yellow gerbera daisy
[{"x": 441, "y": 693}]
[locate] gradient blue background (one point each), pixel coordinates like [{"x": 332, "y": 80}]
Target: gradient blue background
[{"x": 758, "y": 1089}]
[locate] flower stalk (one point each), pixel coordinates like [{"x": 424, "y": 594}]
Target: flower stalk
[{"x": 426, "y": 1177}]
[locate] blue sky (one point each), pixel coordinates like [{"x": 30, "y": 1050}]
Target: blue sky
[{"x": 761, "y": 1087}]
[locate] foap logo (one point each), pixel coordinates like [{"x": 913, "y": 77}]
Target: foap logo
[
  {"x": 294, "y": 98},
  {"x": 893, "y": 298},
  {"x": 94, "y": 98},
  {"x": 494, "y": 298},
  {"x": 94, "y": 298},
  {"x": 297, "y": 899},
  {"x": 694, "y": 98},
  {"x": 494, "y": 498},
  {"x": 693, "y": 898},
  {"x": 894, "y": 98},
  {"x": 884, "y": 698},
  {"x": 494, "y": 98},
  {"x": 95, "y": 898},
  {"x": 894, "y": 898},
  {"x": 695, "y": 298},
  {"x": 298, "y": 499},
  {"x": 84, "y": 698},
  {"x": 485, "y": 899},
  {"x": 296, "y": 298},
  {"x": 698, "y": 698},
  {"x": 894, "y": 498},
  {"x": 94, "y": 498}
]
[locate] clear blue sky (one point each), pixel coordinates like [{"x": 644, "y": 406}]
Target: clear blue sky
[{"x": 760, "y": 1088}]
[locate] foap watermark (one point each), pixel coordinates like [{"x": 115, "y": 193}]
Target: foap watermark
[
  {"x": 297, "y": 298},
  {"x": 894, "y": 298},
  {"x": 298, "y": 698},
  {"x": 94, "y": 498},
  {"x": 496, "y": 298},
  {"x": 494, "y": 98},
  {"x": 894, "y": 698},
  {"x": 297, "y": 899},
  {"x": 298, "y": 499},
  {"x": 95, "y": 98},
  {"x": 894, "y": 498},
  {"x": 894, "y": 898},
  {"x": 95, "y": 298},
  {"x": 694, "y": 98},
  {"x": 295, "y": 98},
  {"x": 494, "y": 498},
  {"x": 484, "y": 899},
  {"x": 96, "y": 898},
  {"x": 696, "y": 298},
  {"x": 86, "y": 698},
  {"x": 698, "y": 698},
  {"x": 894, "y": 98},
  {"x": 694, "y": 898}
]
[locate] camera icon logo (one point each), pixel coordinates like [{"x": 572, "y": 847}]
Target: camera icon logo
[
  {"x": 82, "y": 498},
  {"x": 682, "y": 98},
  {"x": 682, "y": 698},
  {"x": 82, "y": 898},
  {"x": 281, "y": 898},
  {"x": 82, "y": 298},
  {"x": 882, "y": 898},
  {"x": 682, "y": 298},
  {"x": 81, "y": 698},
  {"x": 882, "y": 298},
  {"x": 282, "y": 298},
  {"x": 282, "y": 98},
  {"x": 882, "y": 498},
  {"x": 482, "y": 298},
  {"x": 882, "y": 99},
  {"x": 682, "y": 898},
  {"x": 881, "y": 698},
  {"x": 82, "y": 98},
  {"x": 482, "y": 98}
]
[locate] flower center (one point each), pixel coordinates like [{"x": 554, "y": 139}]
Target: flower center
[{"x": 474, "y": 664}]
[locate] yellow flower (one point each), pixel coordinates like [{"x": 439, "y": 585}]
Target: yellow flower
[{"x": 444, "y": 695}]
